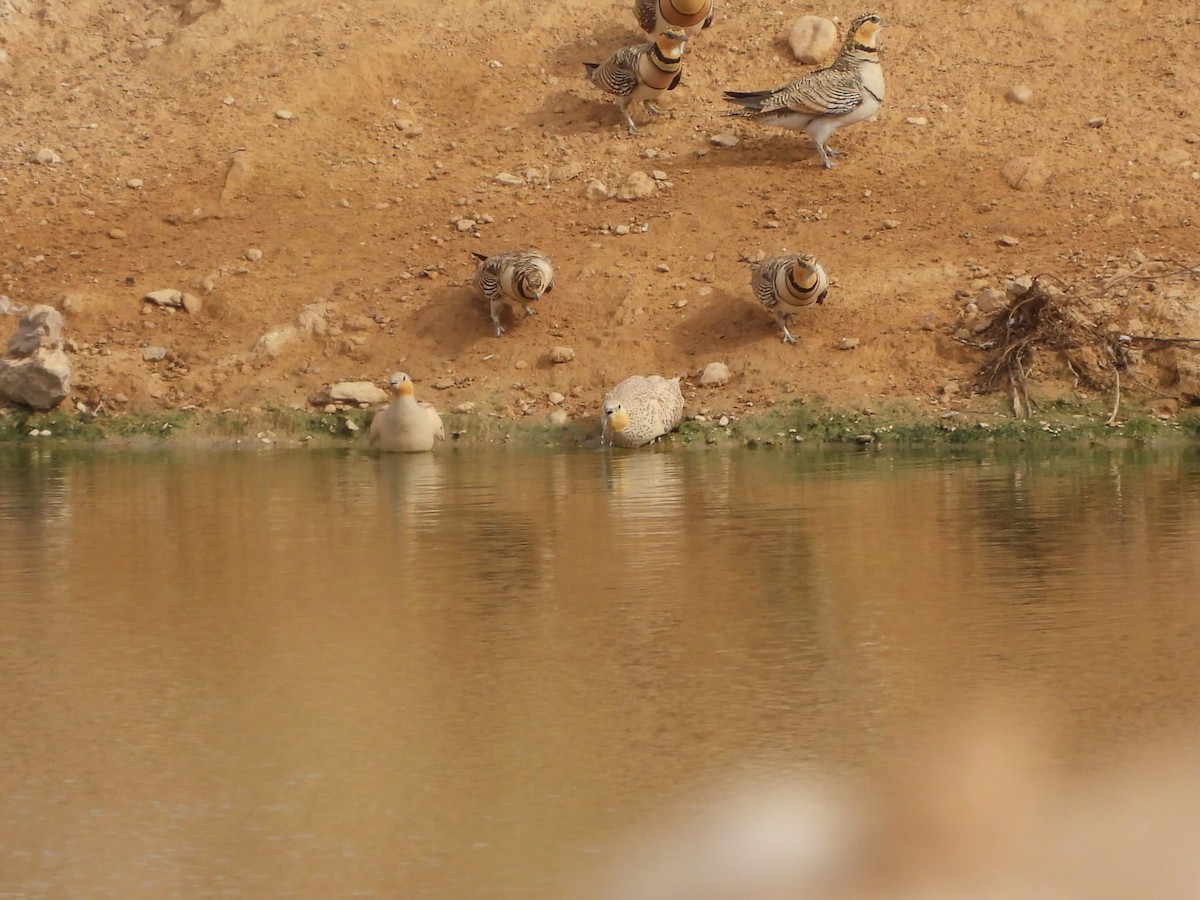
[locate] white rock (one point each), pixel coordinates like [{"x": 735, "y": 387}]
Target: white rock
[
  {"x": 559, "y": 417},
  {"x": 154, "y": 354},
  {"x": 357, "y": 392},
  {"x": 1020, "y": 94},
  {"x": 637, "y": 186},
  {"x": 274, "y": 341},
  {"x": 253, "y": 254},
  {"x": 724, "y": 139},
  {"x": 285, "y": 114},
  {"x": 812, "y": 39},
  {"x": 596, "y": 190},
  {"x": 47, "y": 157},
  {"x": 715, "y": 373},
  {"x": 561, "y": 354},
  {"x": 35, "y": 370},
  {"x": 555, "y": 398},
  {"x": 508, "y": 178},
  {"x": 847, "y": 343},
  {"x": 134, "y": 183},
  {"x": 917, "y": 120},
  {"x": 165, "y": 297},
  {"x": 566, "y": 172}
]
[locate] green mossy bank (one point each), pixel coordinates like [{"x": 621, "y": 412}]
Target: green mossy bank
[{"x": 784, "y": 425}]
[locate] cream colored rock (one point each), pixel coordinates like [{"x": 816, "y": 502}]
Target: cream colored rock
[
  {"x": 640, "y": 410},
  {"x": 812, "y": 39},
  {"x": 405, "y": 426}
]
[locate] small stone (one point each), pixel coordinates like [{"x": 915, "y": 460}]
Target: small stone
[
  {"x": 350, "y": 424},
  {"x": 495, "y": 64},
  {"x": 357, "y": 392},
  {"x": 444, "y": 383},
  {"x": 1026, "y": 173},
  {"x": 117, "y": 234},
  {"x": 555, "y": 398},
  {"x": 285, "y": 114},
  {"x": 990, "y": 300},
  {"x": 658, "y": 175},
  {"x": 508, "y": 178},
  {"x": 812, "y": 39},
  {"x": 621, "y": 229},
  {"x": 724, "y": 139},
  {"x": 1097, "y": 122},
  {"x": 465, "y": 224},
  {"x": 272, "y": 343},
  {"x": 928, "y": 322},
  {"x": 465, "y": 407},
  {"x": 891, "y": 223},
  {"x": 154, "y": 354},
  {"x": 917, "y": 120},
  {"x": 715, "y": 374},
  {"x": 637, "y": 186},
  {"x": 662, "y": 267},
  {"x": 229, "y": 101},
  {"x": 192, "y": 304},
  {"x": 559, "y": 417},
  {"x": 596, "y": 190},
  {"x": 344, "y": 203},
  {"x": 1007, "y": 240},
  {"x": 679, "y": 304},
  {"x": 566, "y": 172},
  {"x": 47, "y": 157},
  {"x": 847, "y": 343},
  {"x": 1175, "y": 157},
  {"x": 134, "y": 184},
  {"x": 561, "y": 354},
  {"x": 253, "y": 254},
  {"x": 165, "y": 297},
  {"x": 1020, "y": 94}
]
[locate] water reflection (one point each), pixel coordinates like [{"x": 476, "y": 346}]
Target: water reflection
[{"x": 455, "y": 674}]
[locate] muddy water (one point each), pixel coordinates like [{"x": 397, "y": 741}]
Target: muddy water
[{"x": 325, "y": 674}]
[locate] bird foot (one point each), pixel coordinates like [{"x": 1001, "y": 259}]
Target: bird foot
[
  {"x": 788, "y": 337},
  {"x": 499, "y": 329},
  {"x": 530, "y": 312},
  {"x": 652, "y": 109}
]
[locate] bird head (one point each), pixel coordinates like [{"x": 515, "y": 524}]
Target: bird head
[
  {"x": 866, "y": 27},
  {"x": 615, "y": 417},
  {"x": 671, "y": 41},
  {"x": 401, "y": 384}
]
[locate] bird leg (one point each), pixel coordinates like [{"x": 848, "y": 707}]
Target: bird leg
[
  {"x": 495, "y": 304},
  {"x": 530, "y": 311},
  {"x": 825, "y": 154},
  {"x": 623, "y": 105},
  {"x": 652, "y": 108},
  {"x": 788, "y": 337}
]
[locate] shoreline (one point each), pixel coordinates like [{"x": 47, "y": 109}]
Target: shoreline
[{"x": 786, "y": 424}]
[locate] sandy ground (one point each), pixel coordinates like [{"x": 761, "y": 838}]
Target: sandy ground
[{"x": 175, "y": 162}]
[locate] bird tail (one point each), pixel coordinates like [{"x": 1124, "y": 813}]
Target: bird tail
[
  {"x": 479, "y": 256},
  {"x": 589, "y": 68},
  {"x": 751, "y": 100}
]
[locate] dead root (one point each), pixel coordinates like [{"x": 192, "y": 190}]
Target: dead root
[{"x": 1052, "y": 316}]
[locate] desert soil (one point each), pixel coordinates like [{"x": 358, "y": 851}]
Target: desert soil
[{"x": 356, "y": 146}]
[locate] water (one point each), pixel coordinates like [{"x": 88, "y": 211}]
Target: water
[{"x": 463, "y": 675}]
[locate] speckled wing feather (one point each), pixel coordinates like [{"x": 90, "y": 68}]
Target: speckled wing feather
[
  {"x": 647, "y": 14},
  {"x": 487, "y": 276},
  {"x": 830, "y": 92},
  {"x": 619, "y": 73}
]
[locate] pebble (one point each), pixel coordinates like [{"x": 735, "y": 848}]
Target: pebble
[
  {"x": 812, "y": 39},
  {"x": 917, "y": 120},
  {"x": 561, "y": 354},
  {"x": 357, "y": 392},
  {"x": 559, "y": 417},
  {"x": 679, "y": 304},
  {"x": 715, "y": 374},
  {"x": 285, "y": 114},
  {"x": 847, "y": 343},
  {"x": 253, "y": 254},
  {"x": 556, "y": 398},
  {"x": 891, "y": 223},
  {"x": 465, "y": 407},
  {"x": 117, "y": 234},
  {"x": 621, "y": 229},
  {"x": 134, "y": 183},
  {"x": 444, "y": 383},
  {"x": 154, "y": 354},
  {"x": 1020, "y": 94},
  {"x": 637, "y": 186},
  {"x": 1097, "y": 122},
  {"x": 508, "y": 178},
  {"x": 47, "y": 157},
  {"x": 596, "y": 190},
  {"x": 1026, "y": 173},
  {"x": 229, "y": 101},
  {"x": 1007, "y": 240},
  {"x": 465, "y": 224},
  {"x": 990, "y": 300},
  {"x": 165, "y": 297},
  {"x": 724, "y": 139},
  {"x": 566, "y": 172},
  {"x": 662, "y": 267}
]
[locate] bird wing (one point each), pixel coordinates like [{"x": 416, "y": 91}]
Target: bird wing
[
  {"x": 647, "y": 14},
  {"x": 830, "y": 92},
  {"x": 619, "y": 73}
]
